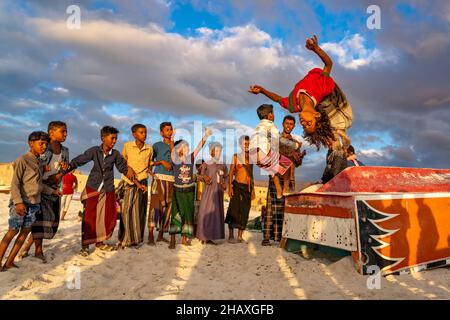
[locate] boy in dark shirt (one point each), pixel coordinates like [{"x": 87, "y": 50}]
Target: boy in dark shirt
[{"x": 99, "y": 199}]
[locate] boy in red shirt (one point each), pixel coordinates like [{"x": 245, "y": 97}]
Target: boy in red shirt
[
  {"x": 308, "y": 93},
  {"x": 70, "y": 184}
]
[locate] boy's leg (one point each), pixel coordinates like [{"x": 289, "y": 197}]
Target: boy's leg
[
  {"x": 63, "y": 206},
  {"x": 276, "y": 181},
  {"x": 27, "y": 247},
  {"x": 17, "y": 245},
  {"x": 286, "y": 180},
  {"x": 172, "y": 242},
  {"x": 6, "y": 241},
  {"x": 240, "y": 234},
  {"x": 230, "y": 234},
  {"x": 38, "y": 250}
]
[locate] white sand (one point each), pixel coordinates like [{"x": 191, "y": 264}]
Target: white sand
[{"x": 227, "y": 271}]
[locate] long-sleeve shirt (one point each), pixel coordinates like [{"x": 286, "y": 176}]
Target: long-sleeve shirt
[
  {"x": 26, "y": 184},
  {"x": 102, "y": 173}
]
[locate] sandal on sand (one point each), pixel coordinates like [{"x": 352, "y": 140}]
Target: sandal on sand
[
  {"x": 84, "y": 252},
  {"x": 105, "y": 247}
]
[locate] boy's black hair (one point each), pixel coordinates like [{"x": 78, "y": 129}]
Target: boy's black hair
[
  {"x": 178, "y": 142},
  {"x": 264, "y": 110},
  {"x": 165, "y": 124},
  {"x": 137, "y": 126},
  {"x": 38, "y": 135},
  {"x": 289, "y": 117},
  {"x": 53, "y": 125},
  {"x": 107, "y": 130},
  {"x": 323, "y": 132},
  {"x": 242, "y": 138},
  {"x": 350, "y": 149}
]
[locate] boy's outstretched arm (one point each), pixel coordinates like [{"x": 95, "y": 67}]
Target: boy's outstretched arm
[
  {"x": 80, "y": 160},
  {"x": 257, "y": 89},
  {"x": 208, "y": 132},
  {"x": 313, "y": 45}
]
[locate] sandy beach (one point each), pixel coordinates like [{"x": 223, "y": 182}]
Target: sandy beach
[{"x": 226, "y": 271}]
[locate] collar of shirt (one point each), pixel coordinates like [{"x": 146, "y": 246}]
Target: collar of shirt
[
  {"x": 145, "y": 147},
  {"x": 103, "y": 152}
]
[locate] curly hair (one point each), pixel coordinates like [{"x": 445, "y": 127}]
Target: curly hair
[{"x": 323, "y": 132}]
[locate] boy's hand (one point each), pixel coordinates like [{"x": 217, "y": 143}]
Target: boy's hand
[
  {"x": 21, "y": 209},
  {"x": 166, "y": 165},
  {"x": 130, "y": 173},
  {"x": 64, "y": 165},
  {"x": 142, "y": 187},
  {"x": 312, "y": 43},
  {"x": 207, "y": 179},
  {"x": 255, "y": 89},
  {"x": 208, "y": 132},
  {"x": 230, "y": 192},
  {"x": 57, "y": 193}
]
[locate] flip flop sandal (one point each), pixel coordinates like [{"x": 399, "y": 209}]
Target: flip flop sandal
[{"x": 84, "y": 252}]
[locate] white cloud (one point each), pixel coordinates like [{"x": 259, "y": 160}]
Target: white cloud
[
  {"x": 353, "y": 54},
  {"x": 61, "y": 90},
  {"x": 148, "y": 67}
]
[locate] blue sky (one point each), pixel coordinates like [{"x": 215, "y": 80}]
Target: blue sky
[{"x": 185, "y": 61}]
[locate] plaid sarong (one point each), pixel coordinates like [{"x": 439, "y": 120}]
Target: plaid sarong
[
  {"x": 160, "y": 204},
  {"x": 133, "y": 217},
  {"x": 100, "y": 215},
  {"x": 272, "y": 223},
  {"x": 47, "y": 219}
]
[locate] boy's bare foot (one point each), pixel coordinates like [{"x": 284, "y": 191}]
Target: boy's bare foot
[
  {"x": 23, "y": 255},
  {"x": 265, "y": 243},
  {"x": 162, "y": 239},
  {"x": 185, "y": 241},
  {"x": 231, "y": 240},
  {"x": 172, "y": 244},
  {"x": 41, "y": 257},
  {"x": 9, "y": 266},
  {"x": 151, "y": 239}
]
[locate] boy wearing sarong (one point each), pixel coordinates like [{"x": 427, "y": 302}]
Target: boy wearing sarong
[
  {"x": 182, "y": 213},
  {"x": 240, "y": 191},
  {"x": 162, "y": 184},
  {"x": 26, "y": 189},
  {"x": 100, "y": 212},
  {"x": 137, "y": 154}
]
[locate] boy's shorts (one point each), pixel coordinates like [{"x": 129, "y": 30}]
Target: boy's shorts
[{"x": 26, "y": 221}]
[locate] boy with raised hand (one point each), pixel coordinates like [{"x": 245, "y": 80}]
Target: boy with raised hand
[
  {"x": 183, "y": 203},
  {"x": 26, "y": 188}
]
